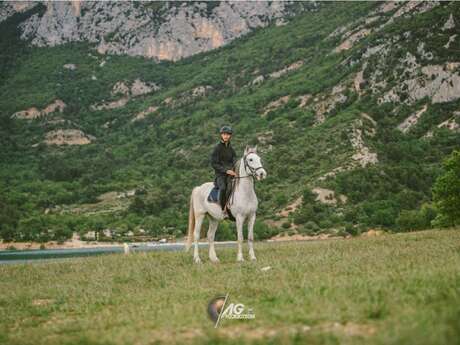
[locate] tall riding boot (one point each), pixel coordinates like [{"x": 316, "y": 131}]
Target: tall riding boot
[{"x": 222, "y": 198}]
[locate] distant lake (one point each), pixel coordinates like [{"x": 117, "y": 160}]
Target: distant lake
[{"x": 24, "y": 256}]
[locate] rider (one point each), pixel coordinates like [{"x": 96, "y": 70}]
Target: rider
[{"x": 223, "y": 159}]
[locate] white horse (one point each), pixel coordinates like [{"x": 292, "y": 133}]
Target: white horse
[{"x": 242, "y": 204}]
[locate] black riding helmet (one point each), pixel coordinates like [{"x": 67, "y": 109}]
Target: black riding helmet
[{"x": 226, "y": 129}]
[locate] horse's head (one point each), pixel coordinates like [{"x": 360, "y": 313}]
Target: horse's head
[{"x": 253, "y": 163}]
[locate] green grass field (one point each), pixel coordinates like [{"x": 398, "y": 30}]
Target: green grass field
[{"x": 393, "y": 289}]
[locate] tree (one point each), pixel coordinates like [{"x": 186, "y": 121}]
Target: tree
[
  {"x": 9, "y": 217},
  {"x": 446, "y": 190}
]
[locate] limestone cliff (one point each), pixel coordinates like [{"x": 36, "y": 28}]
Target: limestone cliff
[{"x": 160, "y": 30}]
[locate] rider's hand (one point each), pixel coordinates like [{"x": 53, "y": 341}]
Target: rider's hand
[{"x": 231, "y": 172}]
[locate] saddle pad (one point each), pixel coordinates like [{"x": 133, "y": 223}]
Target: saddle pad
[{"x": 214, "y": 195}]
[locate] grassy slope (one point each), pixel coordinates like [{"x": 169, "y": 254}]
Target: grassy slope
[
  {"x": 383, "y": 290},
  {"x": 148, "y": 153}
]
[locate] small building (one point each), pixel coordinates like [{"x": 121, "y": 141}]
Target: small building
[
  {"x": 107, "y": 233},
  {"x": 90, "y": 235}
]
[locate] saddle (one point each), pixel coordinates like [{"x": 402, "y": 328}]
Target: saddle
[{"x": 214, "y": 195}]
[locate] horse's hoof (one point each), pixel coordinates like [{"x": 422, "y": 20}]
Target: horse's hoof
[
  {"x": 215, "y": 261},
  {"x": 241, "y": 259},
  {"x": 253, "y": 258},
  {"x": 197, "y": 260}
]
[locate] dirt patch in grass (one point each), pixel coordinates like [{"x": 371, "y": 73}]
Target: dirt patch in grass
[{"x": 42, "y": 302}]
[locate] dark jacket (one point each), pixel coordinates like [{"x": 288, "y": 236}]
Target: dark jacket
[{"x": 223, "y": 158}]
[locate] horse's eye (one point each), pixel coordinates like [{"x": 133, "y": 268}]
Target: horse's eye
[{"x": 250, "y": 159}]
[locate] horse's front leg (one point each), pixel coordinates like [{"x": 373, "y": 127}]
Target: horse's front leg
[
  {"x": 239, "y": 229},
  {"x": 251, "y": 221},
  {"x": 211, "y": 234}
]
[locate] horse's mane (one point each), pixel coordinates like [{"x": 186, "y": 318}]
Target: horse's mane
[
  {"x": 236, "y": 181},
  {"x": 237, "y": 165}
]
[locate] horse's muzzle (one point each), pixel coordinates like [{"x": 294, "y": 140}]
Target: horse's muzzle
[{"x": 261, "y": 174}]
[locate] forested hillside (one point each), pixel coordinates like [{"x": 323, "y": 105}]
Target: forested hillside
[{"x": 353, "y": 107}]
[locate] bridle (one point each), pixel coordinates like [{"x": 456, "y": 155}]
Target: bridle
[{"x": 251, "y": 169}]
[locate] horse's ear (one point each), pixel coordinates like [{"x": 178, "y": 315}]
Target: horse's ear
[
  {"x": 255, "y": 148},
  {"x": 246, "y": 149}
]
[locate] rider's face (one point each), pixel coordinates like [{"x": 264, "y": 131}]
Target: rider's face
[{"x": 226, "y": 137}]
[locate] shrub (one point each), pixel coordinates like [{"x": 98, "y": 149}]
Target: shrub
[
  {"x": 308, "y": 197},
  {"x": 281, "y": 200},
  {"x": 306, "y": 231},
  {"x": 300, "y": 218},
  {"x": 311, "y": 226},
  {"x": 446, "y": 190},
  {"x": 286, "y": 225},
  {"x": 342, "y": 232},
  {"x": 325, "y": 224},
  {"x": 305, "y": 214},
  {"x": 416, "y": 219},
  {"x": 226, "y": 232},
  {"x": 409, "y": 220},
  {"x": 262, "y": 231}
]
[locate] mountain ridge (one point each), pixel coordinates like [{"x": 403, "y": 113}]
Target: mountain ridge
[{"x": 162, "y": 30}]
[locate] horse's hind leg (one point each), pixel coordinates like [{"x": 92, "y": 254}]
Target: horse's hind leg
[
  {"x": 251, "y": 221},
  {"x": 198, "y": 222},
  {"x": 211, "y": 233}
]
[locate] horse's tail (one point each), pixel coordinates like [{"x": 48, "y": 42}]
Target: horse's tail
[{"x": 191, "y": 225}]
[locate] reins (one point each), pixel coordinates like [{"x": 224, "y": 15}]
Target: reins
[{"x": 236, "y": 178}]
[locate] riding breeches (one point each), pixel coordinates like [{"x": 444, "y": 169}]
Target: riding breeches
[{"x": 223, "y": 182}]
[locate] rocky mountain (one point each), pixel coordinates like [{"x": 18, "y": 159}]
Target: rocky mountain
[
  {"x": 161, "y": 30},
  {"x": 353, "y": 106}
]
